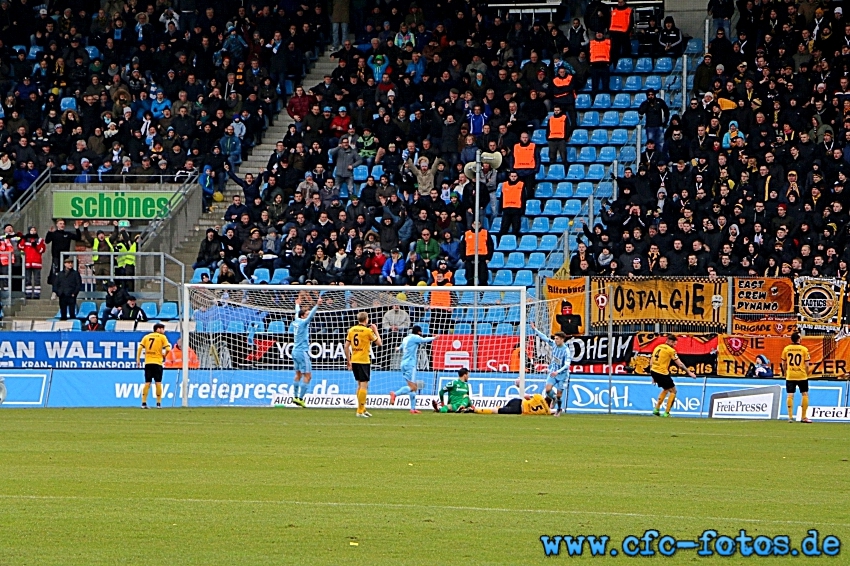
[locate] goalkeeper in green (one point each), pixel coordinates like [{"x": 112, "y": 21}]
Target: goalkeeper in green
[{"x": 458, "y": 391}]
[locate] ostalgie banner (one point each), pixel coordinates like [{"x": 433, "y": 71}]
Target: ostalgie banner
[
  {"x": 735, "y": 354},
  {"x": 699, "y": 301},
  {"x": 764, "y": 306},
  {"x": 820, "y": 302},
  {"x": 568, "y": 316}
]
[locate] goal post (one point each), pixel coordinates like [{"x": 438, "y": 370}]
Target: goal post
[{"x": 243, "y": 340}]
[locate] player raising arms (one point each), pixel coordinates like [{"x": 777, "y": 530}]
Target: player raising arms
[
  {"x": 795, "y": 367},
  {"x": 155, "y": 346},
  {"x": 358, "y": 345},
  {"x": 409, "y": 351},
  {"x": 458, "y": 390},
  {"x": 559, "y": 367},
  {"x": 301, "y": 351},
  {"x": 662, "y": 357}
]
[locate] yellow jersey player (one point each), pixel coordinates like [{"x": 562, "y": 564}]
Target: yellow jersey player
[
  {"x": 529, "y": 405},
  {"x": 358, "y": 345},
  {"x": 795, "y": 368},
  {"x": 155, "y": 346},
  {"x": 663, "y": 356}
]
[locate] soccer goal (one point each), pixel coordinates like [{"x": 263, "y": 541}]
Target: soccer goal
[{"x": 243, "y": 336}]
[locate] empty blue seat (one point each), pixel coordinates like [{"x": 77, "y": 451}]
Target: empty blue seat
[
  {"x": 237, "y": 326},
  {"x": 536, "y": 261},
  {"x": 599, "y": 137},
  {"x": 497, "y": 225},
  {"x": 552, "y": 208},
  {"x": 503, "y": 277},
  {"x": 695, "y": 47},
  {"x": 516, "y": 260},
  {"x": 524, "y": 278},
  {"x": 68, "y": 103},
  {"x": 261, "y": 275},
  {"x": 377, "y": 171},
  {"x": 485, "y": 329},
  {"x": 602, "y": 101},
  {"x": 584, "y": 190},
  {"x": 579, "y": 137},
  {"x": 532, "y": 207},
  {"x": 564, "y": 190},
  {"x": 628, "y": 154},
  {"x": 460, "y": 277},
  {"x": 544, "y": 154},
  {"x": 507, "y": 243},
  {"x": 587, "y": 155},
  {"x": 555, "y": 172},
  {"x": 596, "y": 172},
  {"x": 607, "y": 154},
  {"x": 540, "y": 225},
  {"x": 583, "y": 101},
  {"x": 110, "y": 325},
  {"x": 589, "y": 119},
  {"x": 497, "y": 261},
  {"x": 643, "y": 65},
  {"x": 572, "y": 154},
  {"x": 621, "y": 100},
  {"x": 279, "y": 276},
  {"x": 543, "y": 191},
  {"x": 630, "y": 118},
  {"x": 572, "y": 207},
  {"x": 539, "y": 136},
  {"x": 555, "y": 261},
  {"x": 576, "y": 173},
  {"x": 85, "y": 308},
  {"x": 33, "y": 52},
  {"x": 549, "y": 242},
  {"x": 466, "y": 298},
  {"x": 663, "y": 65},
  {"x": 559, "y": 226},
  {"x": 611, "y": 119},
  {"x": 605, "y": 190},
  {"x": 615, "y": 83},
  {"x": 528, "y": 243},
  {"x": 625, "y": 66},
  {"x": 652, "y": 82},
  {"x": 512, "y": 315},
  {"x": 619, "y": 137},
  {"x": 633, "y": 84},
  {"x": 463, "y": 328},
  {"x": 169, "y": 311},
  {"x": 213, "y": 326},
  {"x": 639, "y": 99},
  {"x": 150, "y": 309},
  {"x": 277, "y": 327},
  {"x": 94, "y": 52},
  {"x": 361, "y": 173},
  {"x": 541, "y": 174},
  {"x": 495, "y": 314},
  {"x": 18, "y": 48},
  {"x": 504, "y": 329},
  {"x": 677, "y": 68},
  {"x": 196, "y": 276}
]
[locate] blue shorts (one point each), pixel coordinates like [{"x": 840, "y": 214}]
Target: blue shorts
[
  {"x": 301, "y": 359},
  {"x": 558, "y": 382},
  {"x": 408, "y": 372}
]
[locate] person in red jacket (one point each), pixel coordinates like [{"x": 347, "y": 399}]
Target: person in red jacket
[
  {"x": 33, "y": 247},
  {"x": 299, "y": 106}
]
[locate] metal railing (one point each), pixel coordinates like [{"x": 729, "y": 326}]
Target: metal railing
[
  {"x": 185, "y": 208},
  {"x": 26, "y": 197}
]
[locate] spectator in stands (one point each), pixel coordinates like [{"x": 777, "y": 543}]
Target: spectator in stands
[
  {"x": 60, "y": 241},
  {"x": 132, "y": 311},
  {"x": 33, "y": 247},
  {"x": 92, "y": 324},
  {"x": 67, "y": 284}
]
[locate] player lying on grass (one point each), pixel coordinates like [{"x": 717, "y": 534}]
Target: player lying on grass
[
  {"x": 458, "y": 390},
  {"x": 301, "y": 351},
  {"x": 409, "y": 351},
  {"x": 529, "y": 405},
  {"x": 559, "y": 368}
]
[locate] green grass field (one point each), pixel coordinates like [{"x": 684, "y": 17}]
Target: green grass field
[{"x": 287, "y": 486}]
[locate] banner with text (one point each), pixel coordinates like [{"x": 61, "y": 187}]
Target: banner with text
[
  {"x": 84, "y": 350},
  {"x": 106, "y": 205},
  {"x": 735, "y": 354},
  {"x": 820, "y": 302},
  {"x": 763, "y": 306},
  {"x": 567, "y": 314}
]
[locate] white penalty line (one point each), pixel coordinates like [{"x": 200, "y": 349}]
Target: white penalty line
[{"x": 421, "y": 508}]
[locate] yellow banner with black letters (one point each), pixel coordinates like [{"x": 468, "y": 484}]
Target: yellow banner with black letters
[{"x": 691, "y": 300}]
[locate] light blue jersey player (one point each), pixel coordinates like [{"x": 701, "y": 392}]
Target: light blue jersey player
[
  {"x": 409, "y": 351},
  {"x": 301, "y": 351},
  {"x": 559, "y": 367}
]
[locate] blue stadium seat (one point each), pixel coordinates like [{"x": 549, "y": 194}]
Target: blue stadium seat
[
  {"x": 68, "y": 103},
  {"x": 528, "y": 243},
  {"x": 652, "y": 82},
  {"x": 540, "y": 225},
  {"x": 532, "y": 207},
  {"x": 495, "y": 314},
  {"x": 507, "y": 243},
  {"x": 564, "y": 190},
  {"x": 630, "y": 119},
  {"x": 589, "y": 119},
  {"x": 633, "y": 84},
  {"x": 628, "y": 154},
  {"x": 576, "y": 173},
  {"x": 583, "y": 101},
  {"x": 279, "y": 276},
  {"x": 539, "y": 136},
  {"x": 555, "y": 261},
  {"x": 695, "y": 47},
  {"x": 110, "y": 325},
  {"x": 536, "y": 260},
  {"x": 639, "y": 99},
  {"x": 596, "y": 172},
  {"x": 541, "y": 174},
  {"x": 579, "y": 137},
  {"x": 169, "y": 311},
  {"x": 504, "y": 329},
  {"x": 377, "y": 171},
  {"x": 584, "y": 190},
  {"x": 619, "y": 137},
  {"x": 18, "y": 48},
  {"x": 277, "y": 327},
  {"x": 599, "y": 137},
  {"x": 611, "y": 119},
  {"x": 624, "y": 66},
  {"x": 33, "y": 52},
  {"x": 491, "y": 298},
  {"x": 516, "y": 260},
  {"x": 460, "y": 277},
  {"x": 94, "y": 52},
  {"x": 85, "y": 308},
  {"x": 572, "y": 153},
  {"x": 463, "y": 328},
  {"x": 607, "y": 154},
  {"x": 289, "y": 87},
  {"x": 643, "y": 65},
  {"x": 524, "y": 278},
  {"x": 261, "y": 275},
  {"x": 587, "y": 155},
  {"x": 555, "y": 173},
  {"x": 559, "y": 226},
  {"x": 615, "y": 83},
  {"x": 496, "y": 226},
  {"x": 485, "y": 329},
  {"x": 196, "y": 276},
  {"x": 549, "y": 242},
  {"x": 635, "y": 45},
  {"x": 602, "y": 101},
  {"x": 677, "y": 68},
  {"x": 150, "y": 308},
  {"x": 572, "y": 207},
  {"x": 466, "y": 298},
  {"x": 663, "y": 65},
  {"x": 512, "y": 315},
  {"x": 543, "y": 191},
  {"x": 552, "y": 208},
  {"x": 214, "y": 326},
  {"x": 605, "y": 190},
  {"x": 544, "y": 154},
  {"x": 497, "y": 261},
  {"x": 361, "y": 173},
  {"x": 503, "y": 277},
  {"x": 622, "y": 100}
]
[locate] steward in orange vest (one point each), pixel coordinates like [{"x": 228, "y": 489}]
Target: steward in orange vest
[
  {"x": 526, "y": 157},
  {"x": 600, "y": 61},
  {"x": 485, "y": 253},
  {"x": 557, "y": 131},
  {"x": 620, "y": 30},
  {"x": 440, "y": 303},
  {"x": 514, "y": 196}
]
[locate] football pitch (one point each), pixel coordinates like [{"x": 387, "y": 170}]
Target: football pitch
[{"x": 289, "y": 486}]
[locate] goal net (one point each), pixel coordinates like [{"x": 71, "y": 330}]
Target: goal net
[{"x": 243, "y": 338}]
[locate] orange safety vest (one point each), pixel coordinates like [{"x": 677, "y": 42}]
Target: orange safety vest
[
  {"x": 512, "y": 194},
  {"x": 174, "y": 359},
  {"x": 558, "y": 127},
  {"x": 469, "y": 238},
  {"x": 562, "y": 82},
  {"x": 441, "y": 299},
  {"x": 524, "y": 157},
  {"x": 621, "y": 20},
  {"x": 447, "y": 275},
  {"x": 600, "y": 51}
]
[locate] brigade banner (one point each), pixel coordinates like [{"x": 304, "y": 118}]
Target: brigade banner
[
  {"x": 672, "y": 300},
  {"x": 697, "y": 351},
  {"x": 764, "y": 326},
  {"x": 819, "y": 302},
  {"x": 568, "y": 316},
  {"x": 735, "y": 354}
]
